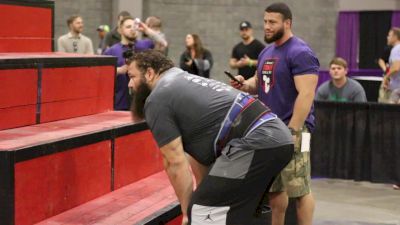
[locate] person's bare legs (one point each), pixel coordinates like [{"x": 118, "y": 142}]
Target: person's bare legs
[
  {"x": 279, "y": 202},
  {"x": 305, "y": 209}
]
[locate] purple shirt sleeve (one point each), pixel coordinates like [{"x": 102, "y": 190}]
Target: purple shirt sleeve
[{"x": 304, "y": 63}]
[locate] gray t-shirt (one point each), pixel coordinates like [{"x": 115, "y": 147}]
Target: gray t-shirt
[
  {"x": 193, "y": 107},
  {"x": 352, "y": 91},
  {"x": 395, "y": 78}
]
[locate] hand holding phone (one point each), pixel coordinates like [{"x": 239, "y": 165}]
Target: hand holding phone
[{"x": 232, "y": 77}]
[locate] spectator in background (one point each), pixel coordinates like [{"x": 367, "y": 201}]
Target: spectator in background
[
  {"x": 196, "y": 59},
  {"x": 383, "y": 63},
  {"x": 244, "y": 54},
  {"x": 129, "y": 44},
  {"x": 391, "y": 80},
  {"x": 340, "y": 88},
  {"x": 102, "y": 31},
  {"x": 154, "y": 23},
  {"x": 114, "y": 36},
  {"x": 74, "y": 41},
  {"x": 286, "y": 78}
]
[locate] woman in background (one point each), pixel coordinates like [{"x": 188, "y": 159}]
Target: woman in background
[{"x": 196, "y": 59}]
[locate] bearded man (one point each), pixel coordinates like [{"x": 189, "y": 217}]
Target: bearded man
[
  {"x": 129, "y": 44},
  {"x": 244, "y": 54},
  {"x": 285, "y": 80},
  {"x": 234, "y": 144},
  {"x": 74, "y": 41}
]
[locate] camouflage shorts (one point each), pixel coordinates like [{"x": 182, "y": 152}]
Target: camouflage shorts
[{"x": 295, "y": 177}]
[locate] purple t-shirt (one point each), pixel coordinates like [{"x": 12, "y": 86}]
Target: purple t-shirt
[
  {"x": 121, "y": 101},
  {"x": 276, "y": 68}
]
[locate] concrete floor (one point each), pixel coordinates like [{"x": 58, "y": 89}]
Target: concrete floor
[
  {"x": 355, "y": 203},
  {"x": 346, "y": 202}
]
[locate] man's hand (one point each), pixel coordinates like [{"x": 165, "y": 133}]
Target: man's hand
[
  {"x": 246, "y": 61},
  {"x": 385, "y": 82},
  {"x": 122, "y": 69},
  {"x": 185, "y": 220},
  {"x": 142, "y": 27},
  {"x": 189, "y": 62},
  {"x": 238, "y": 85}
]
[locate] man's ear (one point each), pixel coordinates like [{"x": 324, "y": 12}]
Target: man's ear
[
  {"x": 150, "y": 74},
  {"x": 119, "y": 30},
  {"x": 288, "y": 23}
]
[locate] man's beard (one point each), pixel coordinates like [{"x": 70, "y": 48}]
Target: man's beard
[
  {"x": 139, "y": 100},
  {"x": 245, "y": 37},
  {"x": 77, "y": 30},
  {"x": 130, "y": 38},
  {"x": 278, "y": 35}
]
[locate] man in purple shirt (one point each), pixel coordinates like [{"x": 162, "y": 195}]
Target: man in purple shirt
[
  {"x": 128, "y": 29},
  {"x": 286, "y": 78}
]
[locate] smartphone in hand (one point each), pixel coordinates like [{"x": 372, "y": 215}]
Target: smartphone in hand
[{"x": 232, "y": 77}]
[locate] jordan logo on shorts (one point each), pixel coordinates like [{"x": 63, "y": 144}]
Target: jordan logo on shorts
[
  {"x": 208, "y": 218},
  {"x": 203, "y": 215},
  {"x": 267, "y": 74}
]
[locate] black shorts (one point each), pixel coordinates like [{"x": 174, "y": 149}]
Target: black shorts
[{"x": 236, "y": 184}]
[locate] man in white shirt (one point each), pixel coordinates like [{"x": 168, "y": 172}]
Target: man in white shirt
[
  {"x": 391, "y": 80},
  {"x": 74, "y": 41}
]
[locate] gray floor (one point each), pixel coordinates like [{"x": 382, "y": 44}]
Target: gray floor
[{"x": 355, "y": 203}]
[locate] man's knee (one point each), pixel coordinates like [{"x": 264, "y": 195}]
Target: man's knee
[{"x": 279, "y": 201}]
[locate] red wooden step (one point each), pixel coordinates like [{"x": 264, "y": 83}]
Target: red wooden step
[
  {"x": 48, "y": 168},
  {"x": 44, "y": 87},
  {"x": 151, "y": 200},
  {"x": 32, "y": 32}
]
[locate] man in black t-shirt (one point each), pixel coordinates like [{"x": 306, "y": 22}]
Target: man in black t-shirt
[{"x": 245, "y": 54}]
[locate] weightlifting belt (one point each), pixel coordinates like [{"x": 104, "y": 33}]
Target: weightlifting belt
[{"x": 245, "y": 115}]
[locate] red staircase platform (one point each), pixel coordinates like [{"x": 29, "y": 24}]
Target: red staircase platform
[
  {"x": 48, "y": 168},
  {"x": 26, "y": 26},
  {"x": 65, "y": 156},
  {"x": 44, "y": 87},
  {"x": 150, "y": 201}
]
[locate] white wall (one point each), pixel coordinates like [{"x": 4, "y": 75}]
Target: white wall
[{"x": 373, "y": 5}]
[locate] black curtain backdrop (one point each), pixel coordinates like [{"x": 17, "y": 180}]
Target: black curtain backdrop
[
  {"x": 374, "y": 27},
  {"x": 359, "y": 141}
]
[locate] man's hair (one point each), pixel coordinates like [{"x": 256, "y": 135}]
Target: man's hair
[
  {"x": 339, "y": 61},
  {"x": 154, "y": 21},
  {"x": 123, "y": 14},
  {"x": 71, "y": 19},
  {"x": 125, "y": 19},
  {"x": 281, "y": 8},
  {"x": 396, "y": 32},
  {"x": 151, "y": 59}
]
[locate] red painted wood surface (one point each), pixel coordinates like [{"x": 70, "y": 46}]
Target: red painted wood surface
[
  {"x": 176, "y": 221},
  {"x": 18, "y": 97},
  {"x": 127, "y": 205},
  {"x": 20, "y": 31},
  {"x": 18, "y": 87},
  {"x": 136, "y": 156},
  {"x": 13, "y": 139},
  {"x": 76, "y": 91},
  {"x": 17, "y": 116},
  {"x": 14, "y": 44},
  {"x": 49, "y": 185}
]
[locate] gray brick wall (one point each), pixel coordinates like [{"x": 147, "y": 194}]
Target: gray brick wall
[
  {"x": 93, "y": 12},
  {"x": 216, "y": 21}
]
